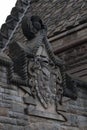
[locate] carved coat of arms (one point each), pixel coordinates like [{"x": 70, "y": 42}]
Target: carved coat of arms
[
  {"x": 35, "y": 66},
  {"x": 44, "y": 73}
]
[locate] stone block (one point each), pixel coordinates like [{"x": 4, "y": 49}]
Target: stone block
[
  {"x": 43, "y": 126},
  {"x": 82, "y": 120},
  {"x": 11, "y": 92},
  {"x": 7, "y": 120},
  {"x": 17, "y": 115},
  {"x": 11, "y": 127},
  {"x": 3, "y": 111},
  {"x": 17, "y": 108},
  {"x": 1, "y": 90},
  {"x": 5, "y": 104},
  {"x": 22, "y": 122},
  {"x": 29, "y": 100},
  {"x": 17, "y": 98},
  {"x": 7, "y": 96}
]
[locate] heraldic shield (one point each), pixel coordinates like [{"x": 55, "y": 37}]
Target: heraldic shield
[{"x": 35, "y": 69}]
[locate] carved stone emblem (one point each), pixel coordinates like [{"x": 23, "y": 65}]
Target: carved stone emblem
[
  {"x": 44, "y": 73},
  {"x": 35, "y": 66}
]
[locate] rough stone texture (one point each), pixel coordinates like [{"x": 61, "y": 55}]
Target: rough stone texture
[
  {"x": 76, "y": 114},
  {"x": 61, "y": 15},
  {"x": 72, "y": 49},
  {"x": 12, "y": 116}
]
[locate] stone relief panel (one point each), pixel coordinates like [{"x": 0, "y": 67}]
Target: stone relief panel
[{"x": 36, "y": 70}]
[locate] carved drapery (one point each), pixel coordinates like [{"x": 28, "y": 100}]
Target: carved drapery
[{"x": 44, "y": 77}]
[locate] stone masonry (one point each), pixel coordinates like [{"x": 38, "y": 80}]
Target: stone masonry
[{"x": 67, "y": 29}]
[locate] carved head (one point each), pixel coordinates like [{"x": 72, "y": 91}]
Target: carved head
[{"x": 30, "y": 26}]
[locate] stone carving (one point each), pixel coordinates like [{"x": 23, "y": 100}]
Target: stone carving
[
  {"x": 45, "y": 70},
  {"x": 44, "y": 73},
  {"x": 36, "y": 69}
]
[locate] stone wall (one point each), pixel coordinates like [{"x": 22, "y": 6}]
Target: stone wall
[
  {"x": 75, "y": 112},
  {"x": 13, "y": 116},
  {"x": 12, "y": 105}
]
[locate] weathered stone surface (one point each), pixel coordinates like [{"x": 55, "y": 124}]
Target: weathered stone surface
[
  {"x": 44, "y": 126},
  {"x": 17, "y": 115},
  {"x": 29, "y": 100},
  {"x": 18, "y": 107},
  {"x": 82, "y": 121},
  {"x": 59, "y": 16},
  {"x": 5, "y": 104},
  {"x": 3, "y": 111},
  {"x": 46, "y": 115},
  {"x": 7, "y": 120},
  {"x": 12, "y": 127}
]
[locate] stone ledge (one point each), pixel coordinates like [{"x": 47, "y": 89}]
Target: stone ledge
[{"x": 46, "y": 115}]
